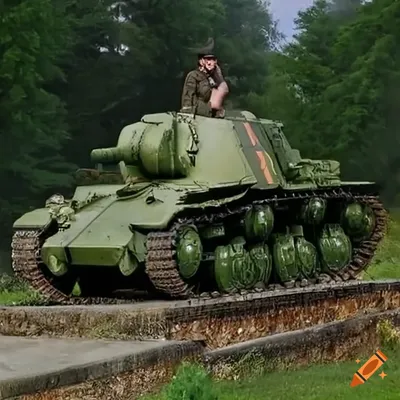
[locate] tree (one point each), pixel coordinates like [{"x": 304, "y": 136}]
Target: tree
[
  {"x": 246, "y": 37},
  {"x": 33, "y": 37},
  {"x": 366, "y": 95}
]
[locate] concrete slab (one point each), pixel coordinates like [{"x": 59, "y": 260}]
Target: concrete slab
[{"x": 29, "y": 365}]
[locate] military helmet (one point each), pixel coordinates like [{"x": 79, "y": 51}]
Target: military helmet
[{"x": 205, "y": 51}]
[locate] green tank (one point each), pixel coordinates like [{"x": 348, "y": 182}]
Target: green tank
[{"x": 188, "y": 206}]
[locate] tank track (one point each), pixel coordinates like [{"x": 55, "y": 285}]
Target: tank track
[
  {"x": 25, "y": 247},
  {"x": 162, "y": 267}
]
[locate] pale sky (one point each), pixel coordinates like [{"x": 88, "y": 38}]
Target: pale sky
[{"x": 285, "y": 11}]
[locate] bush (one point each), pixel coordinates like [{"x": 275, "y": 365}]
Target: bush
[
  {"x": 388, "y": 334},
  {"x": 191, "y": 382}
]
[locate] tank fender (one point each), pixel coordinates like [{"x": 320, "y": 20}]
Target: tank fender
[{"x": 39, "y": 218}]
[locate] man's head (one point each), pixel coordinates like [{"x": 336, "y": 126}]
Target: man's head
[
  {"x": 208, "y": 61},
  {"x": 206, "y": 56}
]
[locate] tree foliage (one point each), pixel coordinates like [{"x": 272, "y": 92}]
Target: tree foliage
[{"x": 33, "y": 38}]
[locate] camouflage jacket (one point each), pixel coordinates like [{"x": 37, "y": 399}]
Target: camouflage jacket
[{"x": 196, "y": 94}]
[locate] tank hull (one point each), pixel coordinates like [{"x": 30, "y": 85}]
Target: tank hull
[{"x": 159, "y": 275}]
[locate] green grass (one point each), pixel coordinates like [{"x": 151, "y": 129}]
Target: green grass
[
  {"x": 12, "y": 298},
  {"x": 313, "y": 383},
  {"x": 386, "y": 263},
  {"x": 317, "y": 383},
  {"x": 15, "y": 292}
]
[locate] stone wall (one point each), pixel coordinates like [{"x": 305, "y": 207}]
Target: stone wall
[{"x": 335, "y": 341}]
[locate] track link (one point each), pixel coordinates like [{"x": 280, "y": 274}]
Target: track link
[{"x": 162, "y": 267}]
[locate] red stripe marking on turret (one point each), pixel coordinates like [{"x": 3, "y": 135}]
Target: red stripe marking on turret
[
  {"x": 250, "y": 133},
  {"x": 260, "y": 154}
]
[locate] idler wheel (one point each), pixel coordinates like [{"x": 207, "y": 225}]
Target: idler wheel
[
  {"x": 189, "y": 251},
  {"x": 358, "y": 221}
]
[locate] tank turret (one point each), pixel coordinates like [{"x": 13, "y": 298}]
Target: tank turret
[
  {"x": 156, "y": 145},
  {"x": 175, "y": 146}
]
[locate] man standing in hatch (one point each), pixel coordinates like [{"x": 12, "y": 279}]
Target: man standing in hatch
[{"x": 205, "y": 88}]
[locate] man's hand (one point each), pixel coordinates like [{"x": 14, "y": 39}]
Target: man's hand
[{"x": 219, "y": 78}]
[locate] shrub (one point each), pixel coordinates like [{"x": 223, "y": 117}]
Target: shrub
[
  {"x": 389, "y": 335},
  {"x": 191, "y": 382}
]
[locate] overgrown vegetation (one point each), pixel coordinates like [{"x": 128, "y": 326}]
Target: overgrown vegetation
[
  {"x": 389, "y": 335},
  {"x": 13, "y": 291},
  {"x": 191, "y": 382},
  {"x": 386, "y": 264},
  {"x": 311, "y": 383},
  {"x": 253, "y": 364}
]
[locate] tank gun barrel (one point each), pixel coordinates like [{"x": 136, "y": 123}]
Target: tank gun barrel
[{"x": 110, "y": 155}]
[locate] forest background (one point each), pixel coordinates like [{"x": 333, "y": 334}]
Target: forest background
[{"x": 74, "y": 72}]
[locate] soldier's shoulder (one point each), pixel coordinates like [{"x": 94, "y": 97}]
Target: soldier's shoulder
[{"x": 196, "y": 74}]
